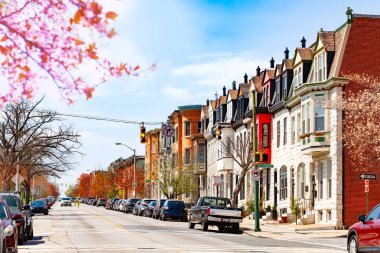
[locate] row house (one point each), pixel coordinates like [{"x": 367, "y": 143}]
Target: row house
[
  {"x": 152, "y": 155},
  {"x": 310, "y": 166}
]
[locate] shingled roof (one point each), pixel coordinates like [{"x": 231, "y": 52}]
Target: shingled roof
[
  {"x": 306, "y": 54},
  {"x": 328, "y": 40}
]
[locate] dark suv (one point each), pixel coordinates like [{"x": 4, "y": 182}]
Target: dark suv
[{"x": 21, "y": 215}]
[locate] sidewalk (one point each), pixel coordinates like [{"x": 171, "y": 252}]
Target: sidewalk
[{"x": 273, "y": 229}]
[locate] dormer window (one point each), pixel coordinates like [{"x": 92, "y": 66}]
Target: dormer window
[
  {"x": 285, "y": 85},
  {"x": 296, "y": 78},
  {"x": 320, "y": 67},
  {"x": 278, "y": 88},
  {"x": 300, "y": 76}
]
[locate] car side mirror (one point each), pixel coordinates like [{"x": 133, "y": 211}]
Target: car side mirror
[
  {"x": 361, "y": 218},
  {"x": 26, "y": 207}
]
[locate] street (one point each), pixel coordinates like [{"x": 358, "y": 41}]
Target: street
[{"x": 95, "y": 229}]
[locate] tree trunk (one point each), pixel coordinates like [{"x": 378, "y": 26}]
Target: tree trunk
[{"x": 237, "y": 188}]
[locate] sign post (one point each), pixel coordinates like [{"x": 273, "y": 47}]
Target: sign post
[{"x": 366, "y": 190}]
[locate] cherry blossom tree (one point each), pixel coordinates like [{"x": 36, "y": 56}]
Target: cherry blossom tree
[{"x": 53, "y": 40}]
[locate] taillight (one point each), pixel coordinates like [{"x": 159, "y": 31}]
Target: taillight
[{"x": 208, "y": 210}]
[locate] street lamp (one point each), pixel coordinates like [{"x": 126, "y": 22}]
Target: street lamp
[{"x": 134, "y": 166}]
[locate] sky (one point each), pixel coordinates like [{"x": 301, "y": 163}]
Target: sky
[{"x": 199, "y": 46}]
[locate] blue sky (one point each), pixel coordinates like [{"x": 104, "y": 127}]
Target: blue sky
[{"x": 198, "y": 46}]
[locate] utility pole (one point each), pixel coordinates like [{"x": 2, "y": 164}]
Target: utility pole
[{"x": 254, "y": 142}]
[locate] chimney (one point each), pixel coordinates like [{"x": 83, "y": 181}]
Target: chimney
[
  {"x": 234, "y": 85},
  {"x": 258, "y": 70},
  {"x": 271, "y": 63},
  {"x": 224, "y": 91},
  {"x": 286, "y": 53},
  {"x": 216, "y": 95},
  {"x": 303, "y": 42},
  {"x": 245, "y": 78}
]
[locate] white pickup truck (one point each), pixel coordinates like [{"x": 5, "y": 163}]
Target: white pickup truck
[{"x": 215, "y": 211}]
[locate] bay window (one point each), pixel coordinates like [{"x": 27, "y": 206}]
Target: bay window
[{"x": 319, "y": 113}]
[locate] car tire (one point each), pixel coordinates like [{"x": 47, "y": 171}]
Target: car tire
[
  {"x": 204, "y": 224},
  {"x": 190, "y": 224},
  {"x": 221, "y": 228},
  {"x": 236, "y": 228},
  {"x": 31, "y": 235},
  {"x": 353, "y": 244},
  {"x": 21, "y": 238}
]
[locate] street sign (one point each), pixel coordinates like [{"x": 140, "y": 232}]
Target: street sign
[
  {"x": 256, "y": 175},
  {"x": 217, "y": 180},
  {"x": 20, "y": 178},
  {"x": 367, "y": 176},
  {"x": 168, "y": 130},
  {"x": 366, "y": 185},
  {"x": 266, "y": 166}
]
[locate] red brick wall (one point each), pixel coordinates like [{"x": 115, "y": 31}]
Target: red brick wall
[{"x": 361, "y": 56}]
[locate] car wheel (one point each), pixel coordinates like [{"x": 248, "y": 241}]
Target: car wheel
[
  {"x": 353, "y": 244},
  {"x": 21, "y": 238},
  {"x": 236, "y": 228},
  {"x": 31, "y": 235},
  {"x": 204, "y": 225},
  {"x": 191, "y": 225},
  {"x": 221, "y": 228}
]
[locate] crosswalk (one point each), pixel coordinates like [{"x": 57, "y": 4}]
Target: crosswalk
[{"x": 168, "y": 248}]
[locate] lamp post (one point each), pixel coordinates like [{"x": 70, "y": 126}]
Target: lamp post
[{"x": 134, "y": 167}]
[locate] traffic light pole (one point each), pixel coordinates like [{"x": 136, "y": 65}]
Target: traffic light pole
[{"x": 254, "y": 142}]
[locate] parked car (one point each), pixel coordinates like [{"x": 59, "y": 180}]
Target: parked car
[
  {"x": 173, "y": 209},
  {"x": 157, "y": 208},
  {"x": 112, "y": 204},
  {"x": 21, "y": 215},
  {"x": 119, "y": 205},
  {"x": 215, "y": 211},
  {"x": 39, "y": 206},
  {"x": 65, "y": 202},
  {"x": 364, "y": 235},
  {"x": 129, "y": 204},
  {"x": 9, "y": 235},
  {"x": 90, "y": 201},
  {"x": 136, "y": 207},
  {"x": 143, "y": 206},
  {"x": 149, "y": 210},
  {"x": 116, "y": 204},
  {"x": 101, "y": 202}
]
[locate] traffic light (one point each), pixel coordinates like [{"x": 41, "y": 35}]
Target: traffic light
[
  {"x": 142, "y": 134},
  {"x": 218, "y": 132},
  {"x": 261, "y": 157}
]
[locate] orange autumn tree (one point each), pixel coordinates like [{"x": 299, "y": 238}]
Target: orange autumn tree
[
  {"x": 54, "y": 39},
  {"x": 84, "y": 184}
]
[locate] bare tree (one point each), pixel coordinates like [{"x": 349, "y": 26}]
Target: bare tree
[
  {"x": 37, "y": 141},
  {"x": 174, "y": 175},
  {"x": 240, "y": 150}
]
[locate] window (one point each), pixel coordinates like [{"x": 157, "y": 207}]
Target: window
[
  {"x": 187, "y": 156},
  {"x": 278, "y": 91},
  {"x": 296, "y": 78},
  {"x": 268, "y": 184},
  {"x": 308, "y": 117},
  {"x": 176, "y": 133},
  {"x": 303, "y": 119},
  {"x": 285, "y": 85},
  {"x": 319, "y": 113},
  {"x": 187, "y": 128},
  {"x": 300, "y": 76},
  {"x": 285, "y": 130},
  {"x": 293, "y": 129},
  {"x": 265, "y": 136},
  {"x": 153, "y": 147},
  {"x": 222, "y": 186},
  {"x": 321, "y": 180},
  {"x": 202, "y": 152},
  {"x": 278, "y": 134},
  {"x": 320, "y": 67},
  {"x": 283, "y": 183},
  {"x": 329, "y": 178},
  {"x": 199, "y": 127},
  {"x": 374, "y": 215},
  {"x": 299, "y": 126},
  {"x": 301, "y": 182}
]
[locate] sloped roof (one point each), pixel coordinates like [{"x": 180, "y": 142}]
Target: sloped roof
[
  {"x": 205, "y": 111},
  {"x": 305, "y": 53},
  {"x": 213, "y": 104},
  {"x": 222, "y": 100},
  {"x": 278, "y": 69},
  {"x": 243, "y": 89},
  {"x": 232, "y": 93},
  {"x": 257, "y": 80},
  {"x": 288, "y": 63},
  {"x": 269, "y": 73},
  {"x": 328, "y": 40}
]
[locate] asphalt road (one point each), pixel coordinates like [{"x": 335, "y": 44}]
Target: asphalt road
[{"x": 92, "y": 229}]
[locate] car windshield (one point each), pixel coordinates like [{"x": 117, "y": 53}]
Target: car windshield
[
  {"x": 65, "y": 198},
  {"x": 162, "y": 201},
  {"x": 3, "y": 212},
  {"x": 13, "y": 203},
  {"x": 175, "y": 203},
  {"x": 216, "y": 202},
  {"x": 37, "y": 203}
]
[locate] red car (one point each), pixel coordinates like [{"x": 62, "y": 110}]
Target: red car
[
  {"x": 364, "y": 236},
  {"x": 10, "y": 228}
]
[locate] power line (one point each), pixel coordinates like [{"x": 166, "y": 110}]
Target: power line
[{"x": 109, "y": 119}]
